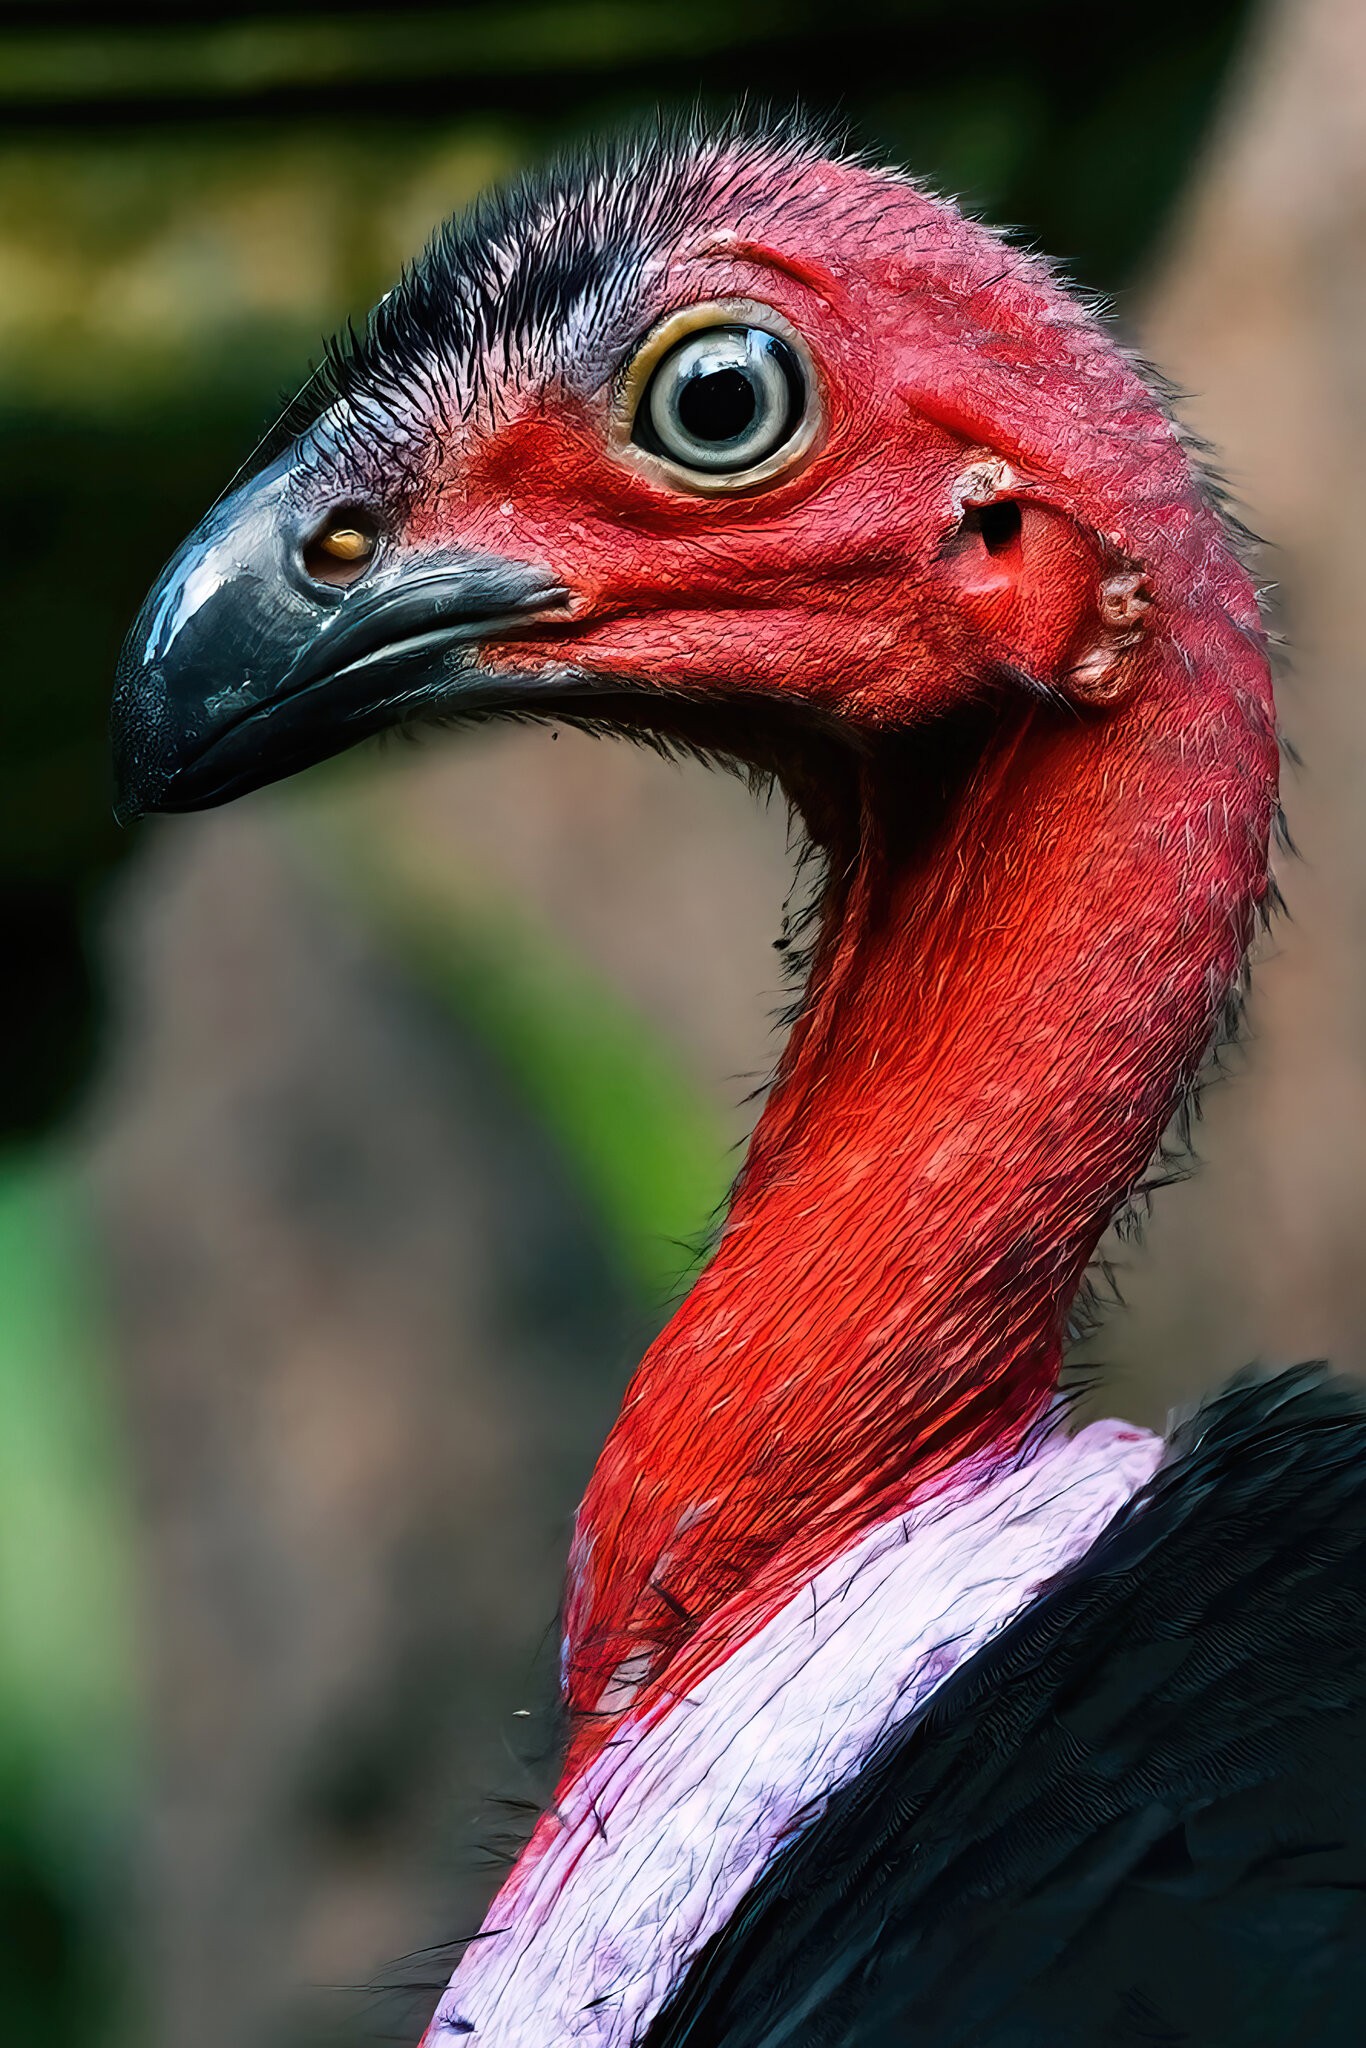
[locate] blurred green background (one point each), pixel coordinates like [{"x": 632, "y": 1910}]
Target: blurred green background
[{"x": 191, "y": 197}]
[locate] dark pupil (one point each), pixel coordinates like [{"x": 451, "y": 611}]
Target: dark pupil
[{"x": 717, "y": 406}]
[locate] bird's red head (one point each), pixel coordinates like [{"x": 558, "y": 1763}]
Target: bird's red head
[
  {"x": 724, "y": 439},
  {"x": 712, "y": 433},
  {"x": 777, "y": 502}
]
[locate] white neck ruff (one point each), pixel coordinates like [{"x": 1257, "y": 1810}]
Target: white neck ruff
[{"x": 669, "y": 1827}]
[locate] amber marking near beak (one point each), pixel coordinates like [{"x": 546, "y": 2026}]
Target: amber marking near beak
[
  {"x": 346, "y": 544},
  {"x": 341, "y": 553}
]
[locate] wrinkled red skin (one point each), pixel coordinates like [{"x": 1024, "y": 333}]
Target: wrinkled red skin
[{"x": 1001, "y": 1019}]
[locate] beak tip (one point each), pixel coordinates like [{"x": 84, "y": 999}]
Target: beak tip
[
  {"x": 143, "y": 735},
  {"x": 134, "y": 786},
  {"x": 140, "y": 783},
  {"x": 233, "y": 677}
]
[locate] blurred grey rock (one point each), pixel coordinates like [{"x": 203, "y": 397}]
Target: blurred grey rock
[
  {"x": 370, "y": 1345},
  {"x": 1257, "y": 311}
]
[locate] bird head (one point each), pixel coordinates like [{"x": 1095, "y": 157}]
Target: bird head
[{"x": 714, "y": 436}]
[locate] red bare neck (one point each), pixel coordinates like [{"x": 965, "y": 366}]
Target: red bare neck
[{"x": 999, "y": 1024}]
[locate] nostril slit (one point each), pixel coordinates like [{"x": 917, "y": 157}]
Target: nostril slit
[
  {"x": 999, "y": 525},
  {"x": 342, "y": 548}
]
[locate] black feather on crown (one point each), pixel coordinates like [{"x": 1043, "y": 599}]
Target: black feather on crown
[{"x": 547, "y": 276}]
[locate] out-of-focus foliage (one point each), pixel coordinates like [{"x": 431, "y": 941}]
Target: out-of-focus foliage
[
  {"x": 650, "y": 1158},
  {"x": 67, "y": 1626},
  {"x": 190, "y": 197}
]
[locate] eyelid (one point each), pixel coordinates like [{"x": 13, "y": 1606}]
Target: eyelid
[{"x": 634, "y": 380}]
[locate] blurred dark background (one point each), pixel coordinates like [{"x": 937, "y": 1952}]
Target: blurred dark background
[{"x": 355, "y": 1139}]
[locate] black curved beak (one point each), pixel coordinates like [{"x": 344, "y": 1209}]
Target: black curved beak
[{"x": 240, "y": 670}]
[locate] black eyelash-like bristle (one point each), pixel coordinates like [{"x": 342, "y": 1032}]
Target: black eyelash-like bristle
[{"x": 559, "y": 251}]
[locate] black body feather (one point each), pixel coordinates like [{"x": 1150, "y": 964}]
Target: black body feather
[{"x": 1137, "y": 1817}]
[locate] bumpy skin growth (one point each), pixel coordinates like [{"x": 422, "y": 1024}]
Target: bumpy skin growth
[{"x": 978, "y": 612}]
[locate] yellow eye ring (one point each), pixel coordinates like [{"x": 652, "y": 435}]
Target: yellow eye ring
[{"x": 752, "y": 342}]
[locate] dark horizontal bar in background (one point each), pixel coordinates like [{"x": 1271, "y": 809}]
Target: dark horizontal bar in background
[
  {"x": 250, "y": 59},
  {"x": 68, "y": 64},
  {"x": 413, "y": 63}
]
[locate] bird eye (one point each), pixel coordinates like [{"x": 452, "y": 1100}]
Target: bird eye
[
  {"x": 722, "y": 401},
  {"x": 341, "y": 550}
]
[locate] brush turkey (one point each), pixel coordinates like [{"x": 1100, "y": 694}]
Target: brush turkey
[{"x": 898, "y": 1711}]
